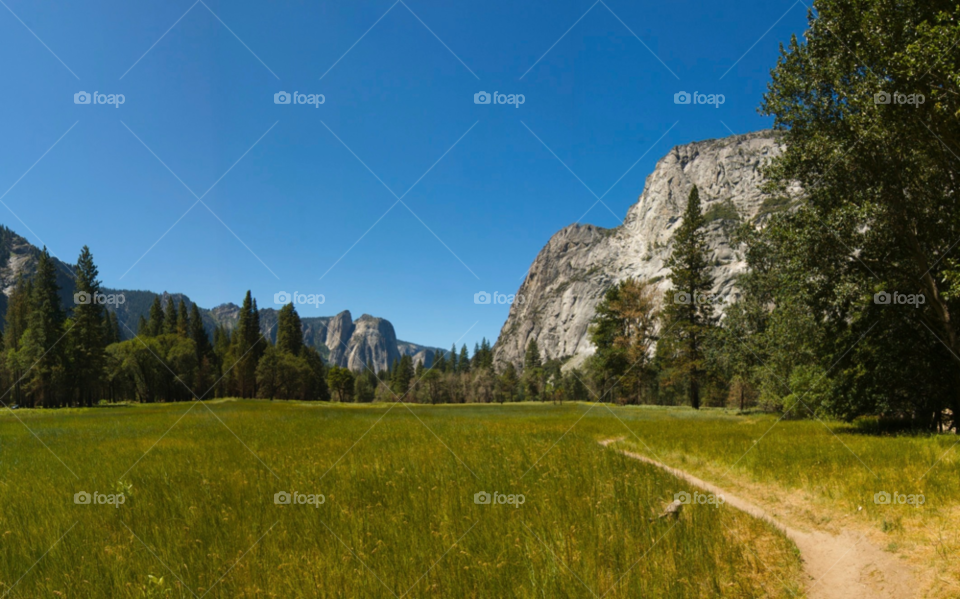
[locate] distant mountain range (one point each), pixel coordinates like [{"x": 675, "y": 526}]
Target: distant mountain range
[{"x": 355, "y": 344}]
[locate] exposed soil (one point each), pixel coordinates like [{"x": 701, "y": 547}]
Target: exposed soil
[{"x": 843, "y": 566}]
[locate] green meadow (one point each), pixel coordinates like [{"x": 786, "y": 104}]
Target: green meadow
[{"x": 394, "y": 509}]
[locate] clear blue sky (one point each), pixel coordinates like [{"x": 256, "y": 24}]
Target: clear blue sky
[{"x": 200, "y": 99}]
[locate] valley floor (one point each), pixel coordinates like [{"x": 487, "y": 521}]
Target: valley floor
[{"x": 446, "y": 501}]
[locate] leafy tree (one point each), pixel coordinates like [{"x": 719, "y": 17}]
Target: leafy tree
[
  {"x": 689, "y": 313},
  {"x": 623, "y": 333},
  {"x": 365, "y": 386},
  {"x": 507, "y": 384},
  {"x": 341, "y": 382},
  {"x": 878, "y": 211}
]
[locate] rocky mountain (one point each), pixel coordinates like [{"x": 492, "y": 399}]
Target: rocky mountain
[
  {"x": 341, "y": 340},
  {"x": 572, "y": 272}
]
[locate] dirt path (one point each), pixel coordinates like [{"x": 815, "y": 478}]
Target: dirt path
[{"x": 846, "y": 566}]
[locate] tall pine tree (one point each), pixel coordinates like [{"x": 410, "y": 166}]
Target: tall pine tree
[
  {"x": 87, "y": 340},
  {"x": 689, "y": 311},
  {"x": 41, "y": 339}
]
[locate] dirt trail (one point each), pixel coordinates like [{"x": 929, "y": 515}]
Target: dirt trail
[{"x": 846, "y": 566}]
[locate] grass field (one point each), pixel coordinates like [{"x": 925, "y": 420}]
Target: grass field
[
  {"x": 398, "y": 516},
  {"x": 823, "y": 474}
]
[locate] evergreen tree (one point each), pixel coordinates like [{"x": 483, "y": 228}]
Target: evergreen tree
[
  {"x": 16, "y": 319},
  {"x": 248, "y": 347},
  {"x": 155, "y": 325},
  {"x": 143, "y": 327},
  {"x": 87, "y": 340},
  {"x": 454, "y": 366},
  {"x": 113, "y": 332},
  {"x": 532, "y": 371},
  {"x": 689, "y": 313},
  {"x": 41, "y": 339},
  {"x": 199, "y": 334},
  {"x": 400, "y": 382},
  {"x": 464, "y": 361},
  {"x": 183, "y": 320},
  {"x": 289, "y": 330},
  {"x": 170, "y": 318},
  {"x": 439, "y": 361}
]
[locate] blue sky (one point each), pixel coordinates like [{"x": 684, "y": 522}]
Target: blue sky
[{"x": 398, "y": 196}]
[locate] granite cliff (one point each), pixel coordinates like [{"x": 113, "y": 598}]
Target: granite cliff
[{"x": 571, "y": 273}]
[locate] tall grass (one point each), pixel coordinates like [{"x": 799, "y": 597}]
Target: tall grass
[{"x": 399, "y": 517}]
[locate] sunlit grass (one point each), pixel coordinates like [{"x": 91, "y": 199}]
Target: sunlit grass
[{"x": 399, "y": 517}]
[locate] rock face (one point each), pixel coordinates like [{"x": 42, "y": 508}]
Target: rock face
[
  {"x": 572, "y": 272},
  {"x": 368, "y": 342},
  {"x": 19, "y": 257}
]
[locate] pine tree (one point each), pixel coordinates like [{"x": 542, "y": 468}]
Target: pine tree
[
  {"x": 403, "y": 376},
  {"x": 439, "y": 361},
  {"x": 532, "y": 370},
  {"x": 199, "y": 334},
  {"x": 464, "y": 361},
  {"x": 41, "y": 339},
  {"x": 87, "y": 340},
  {"x": 248, "y": 347},
  {"x": 289, "y": 330},
  {"x": 689, "y": 313},
  {"x": 116, "y": 335},
  {"x": 454, "y": 366},
  {"x": 143, "y": 327},
  {"x": 155, "y": 325},
  {"x": 170, "y": 318},
  {"x": 16, "y": 320},
  {"x": 183, "y": 319}
]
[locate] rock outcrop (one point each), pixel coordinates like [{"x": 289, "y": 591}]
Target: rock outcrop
[{"x": 572, "y": 272}]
